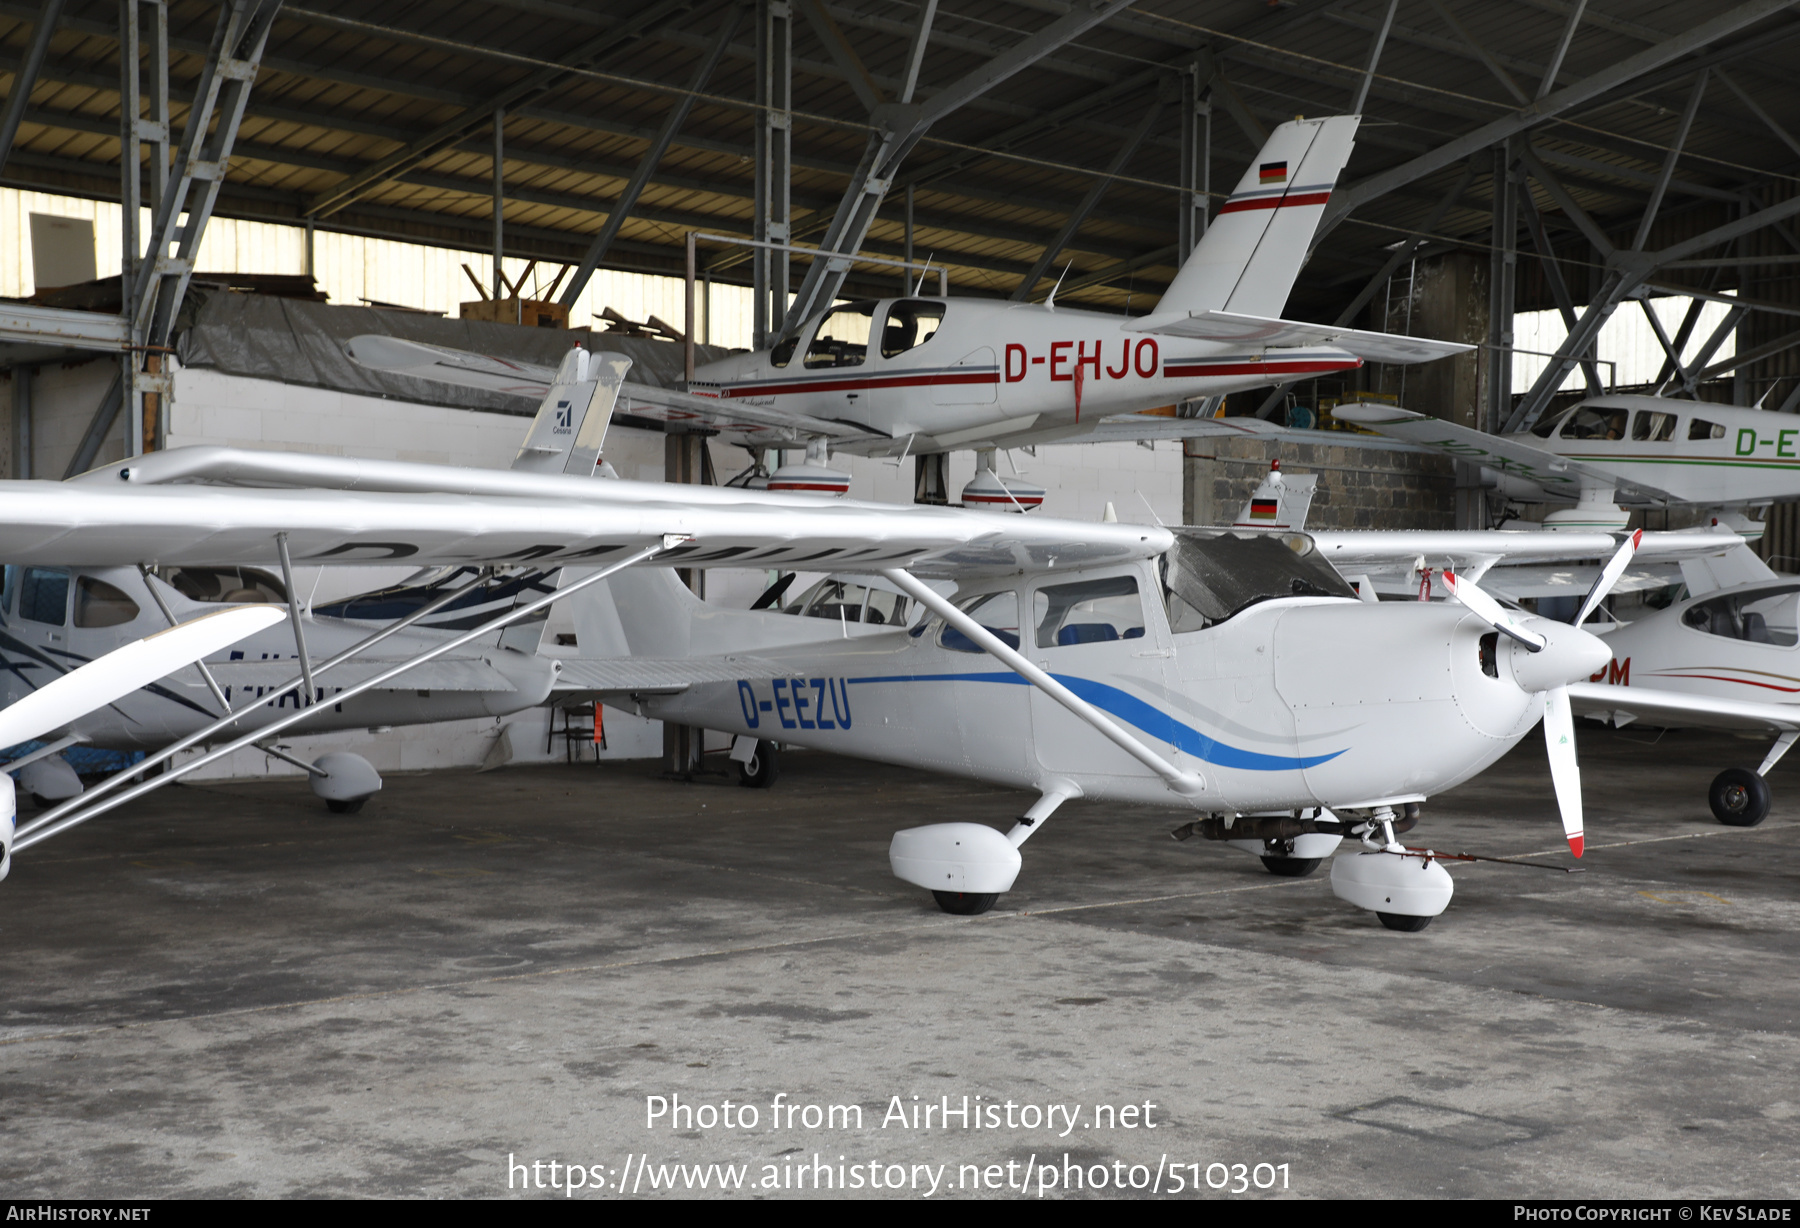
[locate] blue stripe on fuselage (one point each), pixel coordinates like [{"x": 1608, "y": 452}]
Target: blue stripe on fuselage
[{"x": 1147, "y": 717}]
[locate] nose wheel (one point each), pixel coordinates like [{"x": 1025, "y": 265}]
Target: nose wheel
[
  {"x": 965, "y": 903},
  {"x": 1291, "y": 867},
  {"x": 1403, "y": 923},
  {"x": 1739, "y": 798}
]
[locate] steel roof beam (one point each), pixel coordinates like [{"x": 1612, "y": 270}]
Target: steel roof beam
[
  {"x": 25, "y": 77},
  {"x": 1668, "y": 166},
  {"x": 1549, "y": 106},
  {"x": 1054, "y": 248},
  {"x": 533, "y": 86},
  {"x": 901, "y": 127},
  {"x": 842, "y": 54},
  {"x": 628, "y": 199}
]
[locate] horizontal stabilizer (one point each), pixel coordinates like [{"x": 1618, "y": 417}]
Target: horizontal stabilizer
[
  {"x": 1234, "y": 329},
  {"x": 645, "y": 675}
]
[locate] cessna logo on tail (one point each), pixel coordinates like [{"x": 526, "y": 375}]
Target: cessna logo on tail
[{"x": 565, "y": 417}]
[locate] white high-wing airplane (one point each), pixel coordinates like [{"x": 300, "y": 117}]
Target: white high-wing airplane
[
  {"x": 55, "y": 619},
  {"x": 1612, "y": 453},
  {"x": 100, "y": 682},
  {"x": 922, "y": 375},
  {"x": 1203, "y": 671}
]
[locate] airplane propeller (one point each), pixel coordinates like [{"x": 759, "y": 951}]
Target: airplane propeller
[
  {"x": 117, "y": 674},
  {"x": 1558, "y": 656}
]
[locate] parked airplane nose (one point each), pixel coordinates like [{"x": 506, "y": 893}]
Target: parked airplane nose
[{"x": 1569, "y": 655}]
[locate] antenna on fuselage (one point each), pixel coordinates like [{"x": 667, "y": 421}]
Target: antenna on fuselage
[{"x": 1051, "y": 301}]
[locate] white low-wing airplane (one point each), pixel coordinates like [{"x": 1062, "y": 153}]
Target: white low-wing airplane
[
  {"x": 1611, "y": 453},
  {"x": 1201, "y": 671},
  {"x": 1725, "y": 656},
  {"x": 924, "y": 375}
]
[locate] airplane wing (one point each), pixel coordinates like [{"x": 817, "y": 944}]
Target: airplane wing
[
  {"x": 1141, "y": 428},
  {"x": 1650, "y": 706},
  {"x": 75, "y": 524},
  {"x": 443, "y": 674},
  {"x": 1234, "y": 329},
  {"x": 1511, "y": 454},
  {"x": 492, "y": 373}
]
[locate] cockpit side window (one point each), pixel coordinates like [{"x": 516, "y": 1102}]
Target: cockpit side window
[
  {"x": 1764, "y": 616},
  {"x": 99, "y": 604},
  {"x": 910, "y": 324},
  {"x": 842, "y": 338},
  {"x": 997, "y": 612},
  {"x": 1590, "y": 422},
  {"x": 44, "y": 596},
  {"x": 223, "y": 584},
  {"x": 1090, "y": 612},
  {"x": 1652, "y": 426}
]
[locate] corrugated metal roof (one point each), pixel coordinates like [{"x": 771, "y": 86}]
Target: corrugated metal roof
[{"x": 346, "y": 83}]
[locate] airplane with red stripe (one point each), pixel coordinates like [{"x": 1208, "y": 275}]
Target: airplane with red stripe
[{"x": 927, "y": 374}]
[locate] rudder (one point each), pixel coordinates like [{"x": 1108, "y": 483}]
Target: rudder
[{"x": 1252, "y": 251}]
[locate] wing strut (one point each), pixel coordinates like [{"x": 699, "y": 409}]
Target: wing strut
[
  {"x": 1187, "y": 784},
  {"x": 56, "y": 821}
]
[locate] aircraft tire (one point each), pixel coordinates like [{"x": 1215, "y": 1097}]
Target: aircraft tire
[
  {"x": 1291, "y": 867},
  {"x": 1739, "y": 798},
  {"x": 762, "y": 770},
  {"x": 1403, "y": 922},
  {"x": 352, "y": 806},
  {"x": 965, "y": 903}
]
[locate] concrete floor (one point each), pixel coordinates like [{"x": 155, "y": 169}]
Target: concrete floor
[{"x": 226, "y": 991}]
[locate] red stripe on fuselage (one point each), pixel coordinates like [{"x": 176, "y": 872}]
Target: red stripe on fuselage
[
  {"x": 1274, "y": 202},
  {"x": 851, "y": 385}
]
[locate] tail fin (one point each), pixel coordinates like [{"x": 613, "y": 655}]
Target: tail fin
[
  {"x": 570, "y": 427},
  {"x": 1252, "y": 251},
  {"x": 1281, "y": 502}
]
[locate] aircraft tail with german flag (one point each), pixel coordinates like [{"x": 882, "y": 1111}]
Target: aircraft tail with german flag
[{"x": 1252, "y": 251}]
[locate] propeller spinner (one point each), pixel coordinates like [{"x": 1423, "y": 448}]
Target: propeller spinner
[{"x": 1555, "y": 656}]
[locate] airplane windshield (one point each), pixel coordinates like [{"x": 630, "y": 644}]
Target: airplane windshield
[{"x": 1213, "y": 574}]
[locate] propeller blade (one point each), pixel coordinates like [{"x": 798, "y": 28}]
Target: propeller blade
[
  {"x": 124, "y": 670},
  {"x": 1490, "y": 611},
  {"x": 1609, "y": 576},
  {"x": 1565, "y": 772}
]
